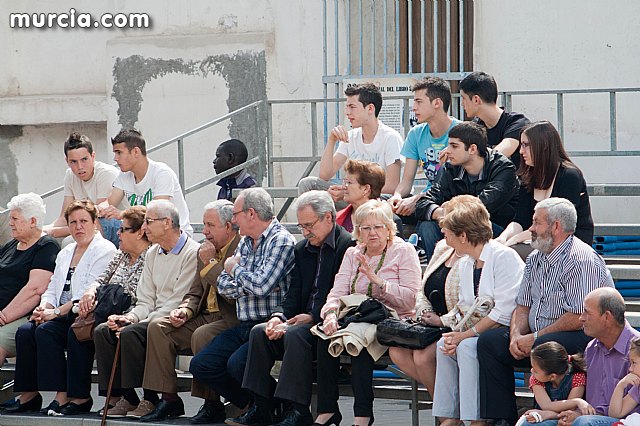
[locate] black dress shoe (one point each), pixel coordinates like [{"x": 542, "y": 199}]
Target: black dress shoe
[
  {"x": 7, "y": 403},
  {"x": 73, "y": 409},
  {"x": 210, "y": 412},
  {"x": 253, "y": 417},
  {"x": 30, "y": 406},
  {"x": 53, "y": 406},
  {"x": 164, "y": 410},
  {"x": 335, "y": 419},
  {"x": 294, "y": 417}
]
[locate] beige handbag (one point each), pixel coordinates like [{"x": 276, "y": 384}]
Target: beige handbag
[{"x": 462, "y": 318}]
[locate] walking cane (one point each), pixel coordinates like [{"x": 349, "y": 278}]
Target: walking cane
[{"x": 109, "y": 388}]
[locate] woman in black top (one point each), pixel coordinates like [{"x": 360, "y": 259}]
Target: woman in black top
[
  {"x": 546, "y": 171},
  {"x": 27, "y": 263}
]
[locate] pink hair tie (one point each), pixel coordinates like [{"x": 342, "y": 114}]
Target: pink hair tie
[{"x": 569, "y": 358}]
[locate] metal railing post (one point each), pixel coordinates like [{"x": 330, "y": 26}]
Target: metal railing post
[
  {"x": 612, "y": 121},
  {"x": 560, "y": 107},
  {"x": 180, "y": 146},
  {"x": 270, "y": 144},
  {"x": 260, "y": 137}
]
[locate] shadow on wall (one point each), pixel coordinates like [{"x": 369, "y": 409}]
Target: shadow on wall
[
  {"x": 245, "y": 75},
  {"x": 8, "y": 176}
]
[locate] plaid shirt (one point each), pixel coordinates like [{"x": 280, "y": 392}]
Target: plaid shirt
[{"x": 261, "y": 278}]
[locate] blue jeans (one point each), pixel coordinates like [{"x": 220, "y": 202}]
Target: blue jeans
[
  {"x": 110, "y": 230},
  {"x": 544, "y": 423},
  {"x": 594, "y": 421},
  {"x": 220, "y": 365},
  {"x": 430, "y": 233}
]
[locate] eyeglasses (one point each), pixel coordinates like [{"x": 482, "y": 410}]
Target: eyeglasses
[
  {"x": 149, "y": 221},
  {"x": 238, "y": 212},
  {"x": 346, "y": 182},
  {"x": 124, "y": 229},
  {"x": 378, "y": 228},
  {"x": 525, "y": 145},
  {"x": 307, "y": 226}
]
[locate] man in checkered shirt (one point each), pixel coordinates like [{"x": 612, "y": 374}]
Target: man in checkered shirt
[{"x": 257, "y": 277}]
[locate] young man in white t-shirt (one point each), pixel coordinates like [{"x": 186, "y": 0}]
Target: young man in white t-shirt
[
  {"x": 85, "y": 179},
  {"x": 369, "y": 140},
  {"x": 141, "y": 180}
]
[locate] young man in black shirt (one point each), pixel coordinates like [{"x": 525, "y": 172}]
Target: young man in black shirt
[{"x": 479, "y": 94}]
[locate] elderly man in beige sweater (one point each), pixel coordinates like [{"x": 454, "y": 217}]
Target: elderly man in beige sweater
[{"x": 168, "y": 272}]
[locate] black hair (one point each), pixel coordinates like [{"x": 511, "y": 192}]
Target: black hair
[
  {"x": 436, "y": 88},
  {"x": 368, "y": 93},
  {"x": 237, "y": 148},
  {"x": 470, "y": 134},
  {"x": 482, "y": 84},
  {"x": 132, "y": 139},
  {"x": 553, "y": 358},
  {"x": 77, "y": 141}
]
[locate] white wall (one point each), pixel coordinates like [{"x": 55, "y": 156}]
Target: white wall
[
  {"x": 53, "y": 81},
  {"x": 571, "y": 44}
]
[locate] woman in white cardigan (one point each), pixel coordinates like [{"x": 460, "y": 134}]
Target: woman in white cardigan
[
  {"x": 490, "y": 269},
  {"x": 41, "y": 343}
]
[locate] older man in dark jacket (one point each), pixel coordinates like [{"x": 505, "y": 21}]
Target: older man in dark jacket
[
  {"x": 474, "y": 170},
  {"x": 286, "y": 335}
]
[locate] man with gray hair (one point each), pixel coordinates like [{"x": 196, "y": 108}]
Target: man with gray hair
[
  {"x": 167, "y": 275},
  {"x": 557, "y": 277},
  {"x": 606, "y": 356},
  {"x": 256, "y": 277},
  {"x": 201, "y": 316},
  {"x": 286, "y": 335}
]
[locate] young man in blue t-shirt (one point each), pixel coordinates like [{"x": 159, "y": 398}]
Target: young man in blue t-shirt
[{"x": 424, "y": 146}]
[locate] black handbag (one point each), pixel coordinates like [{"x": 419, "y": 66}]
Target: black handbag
[
  {"x": 408, "y": 333},
  {"x": 370, "y": 310}
]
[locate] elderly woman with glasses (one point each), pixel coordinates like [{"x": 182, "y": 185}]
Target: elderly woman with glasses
[
  {"x": 383, "y": 267},
  {"x": 125, "y": 270},
  {"x": 488, "y": 270},
  {"x": 41, "y": 343}
]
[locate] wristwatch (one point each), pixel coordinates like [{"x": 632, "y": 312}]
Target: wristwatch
[{"x": 56, "y": 311}]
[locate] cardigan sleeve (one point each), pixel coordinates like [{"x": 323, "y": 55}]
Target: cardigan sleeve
[{"x": 507, "y": 275}]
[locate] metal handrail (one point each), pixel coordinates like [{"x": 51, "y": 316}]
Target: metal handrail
[
  {"x": 179, "y": 140},
  {"x": 311, "y": 160},
  {"x": 559, "y": 93}
]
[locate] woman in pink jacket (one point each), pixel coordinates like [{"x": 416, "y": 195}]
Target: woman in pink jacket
[{"x": 381, "y": 266}]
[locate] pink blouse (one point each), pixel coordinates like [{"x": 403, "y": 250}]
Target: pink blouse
[{"x": 401, "y": 270}]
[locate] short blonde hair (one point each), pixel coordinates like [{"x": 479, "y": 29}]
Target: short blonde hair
[
  {"x": 466, "y": 213},
  {"x": 380, "y": 210}
]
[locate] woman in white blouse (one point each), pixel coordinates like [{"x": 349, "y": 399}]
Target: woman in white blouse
[
  {"x": 492, "y": 270},
  {"x": 41, "y": 343}
]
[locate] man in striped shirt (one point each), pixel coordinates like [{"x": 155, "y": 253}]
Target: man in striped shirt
[
  {"x": 557, "y": 277},
  {"x": 257, "y": 277}
]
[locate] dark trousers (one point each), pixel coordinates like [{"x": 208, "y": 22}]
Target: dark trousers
[
  {"x": 133, "y": 349},
  {"x": 221, "y": 364},
  {"x": 497, "y": 387},
  {"x": 361, "y": 381},
  {"x": 40, "y": 359},
  {"x": 79, "y": 365},
  {"x": 296, "y": 349}
]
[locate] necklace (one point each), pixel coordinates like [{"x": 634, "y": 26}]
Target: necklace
[
  {"x": 459, "y": 256},
  {"x": 369, "y": 286}
]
